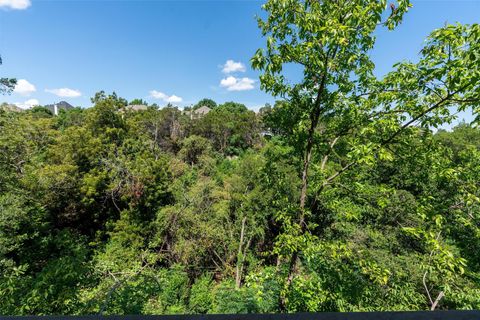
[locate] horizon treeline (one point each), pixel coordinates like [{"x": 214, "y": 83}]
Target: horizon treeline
[{"x": 109, "y": 211}]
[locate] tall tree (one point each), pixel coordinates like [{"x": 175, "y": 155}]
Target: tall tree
[{"x": 339, "y": 101}]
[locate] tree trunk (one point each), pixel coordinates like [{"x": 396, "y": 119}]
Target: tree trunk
[
  {"x": 240, "y": 257},
  {"x": 314, "y": 117}
]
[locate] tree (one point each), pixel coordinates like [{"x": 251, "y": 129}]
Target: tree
[
  {"x": 205, "y": 102},
  {"x": 73, "y": 117},
  {"x": 231, "y": 127},
  {"x": 104, "y": 116},
  {"x": 138, "y": 101},
  {"x": 102, "y": 96},
  {"x": 41, "y": 112},
  {"x": 164, "y": 128},
  {"x": 193, "y": 148},
  {"x": 6, "y": 84},
  {"x": 265, "y": 110},
  {"x": 339, "y": 103}
]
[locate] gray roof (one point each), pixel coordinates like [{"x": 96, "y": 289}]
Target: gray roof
[
  {"x": 198, "y": 113},
  {"x": 136, "y": 107},
  {"x": 10, "y": 107},
  {"x": 62, "y": 105},
  {"x": 203, "y": 110}
]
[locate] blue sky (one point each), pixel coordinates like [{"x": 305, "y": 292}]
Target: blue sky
[{"x": 165, "y": 50}]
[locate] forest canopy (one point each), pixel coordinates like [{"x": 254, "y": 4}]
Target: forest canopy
[{"x": 345, "y": 195}]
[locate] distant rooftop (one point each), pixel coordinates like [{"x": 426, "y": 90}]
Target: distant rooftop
[
  {"x": 198, "y": 113},
  {"x": 56, "y": 107},
  {"x": 203, "y": 110},
  {"x": 10, "y": 107},
  {"x": 136, "y": 107}
]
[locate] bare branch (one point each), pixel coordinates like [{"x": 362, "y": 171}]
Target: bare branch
[{"x": 435, "y": 303}]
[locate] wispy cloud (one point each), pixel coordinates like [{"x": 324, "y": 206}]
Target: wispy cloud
[
  {"x": 237, "y": 84},
  {"x": 232, "y": 66},
  {"x": 27, "y": 104},
  {"x": 65, "y": 92},
  {"x": 24, "y": 87},
  {"x": 164, "y": 97},
  {"x": 15, "y": 4}
]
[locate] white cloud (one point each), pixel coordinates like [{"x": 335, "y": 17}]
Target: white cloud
[
  {"x": 30, "y": 103},
  {"x": 65, "y": 92},
  {"x": 174, "y": 99},
  {"x": 15, "y": 4},
  {"x": 227, "y": 82},
  {"x": 162, "y": 96},
  {"x": 232, "y": 66},
  {"x": 24, "y": 87},
  {"x": 237, "y": 84}
]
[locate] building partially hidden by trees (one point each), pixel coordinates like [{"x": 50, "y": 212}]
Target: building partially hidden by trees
[
  {"x": 56, "y": 107},
  {"x": 10, "y": 107},
  {"x": 197, "y": 113}
]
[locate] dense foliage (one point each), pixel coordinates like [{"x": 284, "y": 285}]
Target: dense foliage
[
  {"x": 148, "y": 212},
  {"x": 341, "y": 197}
]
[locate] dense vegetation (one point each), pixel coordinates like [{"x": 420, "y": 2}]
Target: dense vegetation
[
  {"x": 341, "y": 197},
  {"x": 151, "y": 212}
]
